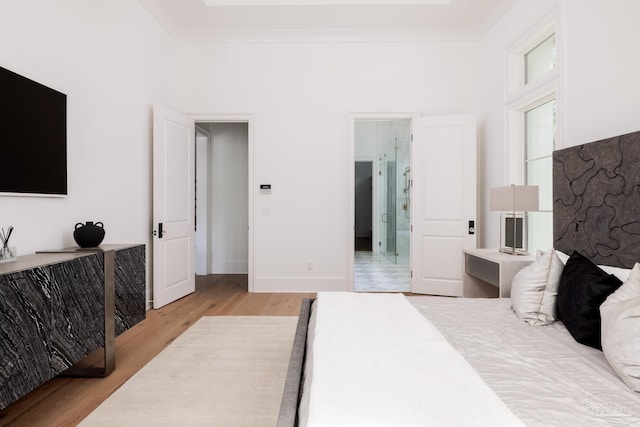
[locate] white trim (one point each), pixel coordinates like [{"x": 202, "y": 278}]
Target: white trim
[
  {"x": 536, "y": 35},
  {"x": 298, "y": 284},
  {"x": 249, "y": 119},
  {"x": 350, "y": 179},
  {"x": 537, "y": 88},
  {"x": 227, "y": 3},
  {"x": 202, "y": 230},
  {"x": 379, "y": 35},
  {"x": 203, "y": 130},
  {"x": 520, "y": 97},
  {"x": 514, "y": 54}
]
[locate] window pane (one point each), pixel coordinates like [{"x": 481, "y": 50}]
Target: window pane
[
  {"x": 540, "y": 231},
  {"x": 541, "y": 59},
  {"x": 540, "y": 123},
  {"x": 540, "y": 172}
]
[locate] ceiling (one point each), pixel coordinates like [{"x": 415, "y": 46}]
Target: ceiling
[{"x": 191, "y": 21}]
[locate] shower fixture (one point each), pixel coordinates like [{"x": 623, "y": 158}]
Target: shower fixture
[{"x": 407, "y": 192}]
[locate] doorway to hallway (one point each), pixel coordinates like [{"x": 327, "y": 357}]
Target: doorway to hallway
[{"x": 222, "y": 197}]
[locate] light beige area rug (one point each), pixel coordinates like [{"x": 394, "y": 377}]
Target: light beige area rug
[{"x": 223, "y": 371}]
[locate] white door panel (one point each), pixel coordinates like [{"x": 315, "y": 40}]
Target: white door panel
[
  {"x": 442, "y": 256},
  {"x": 177, "y": 169},
  {"x": 173, "y": 206},
  {"x": 443, "y": 161}
]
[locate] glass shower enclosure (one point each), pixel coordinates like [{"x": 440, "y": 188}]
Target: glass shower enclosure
[{"x": 395, "y": 196}]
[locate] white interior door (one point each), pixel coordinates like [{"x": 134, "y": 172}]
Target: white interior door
[
  {"x": 443, "y": 166},
  {"x": 173, "y": 206}
]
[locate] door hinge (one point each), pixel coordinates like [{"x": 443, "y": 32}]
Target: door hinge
[
  {"x": 412, "y": 228},
  {"x": 411, "y": 274},
  {"x": 379, "y": 243}
]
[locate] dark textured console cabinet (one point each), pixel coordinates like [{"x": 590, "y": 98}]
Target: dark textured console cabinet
[{"x": 52, "y": 310}]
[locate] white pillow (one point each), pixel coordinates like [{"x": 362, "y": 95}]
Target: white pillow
[
  {"x": 563, "y": 257},
  {"x": 620, "y": 273},
  {"x": 620, "y": 315},
  {"x": 535, "y": 287}
]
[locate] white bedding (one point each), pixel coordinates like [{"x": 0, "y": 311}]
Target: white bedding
[
  {"x": 377, "y": 362},
  {"x": 543, "y": 375}
]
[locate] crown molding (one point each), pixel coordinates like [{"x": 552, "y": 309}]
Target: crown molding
[{"x": 394, "y": 35}]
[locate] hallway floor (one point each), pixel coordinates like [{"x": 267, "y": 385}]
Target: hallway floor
[{"x": 373, "y": 272}]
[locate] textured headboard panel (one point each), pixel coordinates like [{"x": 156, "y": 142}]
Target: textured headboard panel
[{"x": 596, "y": 200}]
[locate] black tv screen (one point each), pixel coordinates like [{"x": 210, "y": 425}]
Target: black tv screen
[{"x": 33, "y": 137}]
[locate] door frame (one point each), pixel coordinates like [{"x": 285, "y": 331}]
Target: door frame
[
  {"x": 350, "y": 171},
  {"x": 249, "y": 119},
  {"x": 202, "y": 227}
]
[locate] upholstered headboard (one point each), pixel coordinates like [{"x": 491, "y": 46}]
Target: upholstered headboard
[{"x": 596, "y": 200}]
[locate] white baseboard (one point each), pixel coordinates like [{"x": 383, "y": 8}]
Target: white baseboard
[
  {"x": 300, "y": 284},
  {"x": 230, "y": 268}
]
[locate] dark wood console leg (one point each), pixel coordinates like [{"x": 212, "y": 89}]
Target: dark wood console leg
[{"x": 109, "y": 325}]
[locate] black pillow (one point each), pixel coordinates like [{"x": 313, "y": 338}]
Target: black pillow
[{"x": 583, "y": 288}]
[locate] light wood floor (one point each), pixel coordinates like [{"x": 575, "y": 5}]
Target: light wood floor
[{"x": 67, "y": 401}]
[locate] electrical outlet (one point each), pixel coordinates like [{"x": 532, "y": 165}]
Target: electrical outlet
[{"x": 309, "y": 265}]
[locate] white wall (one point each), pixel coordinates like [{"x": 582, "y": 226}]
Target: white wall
[
  {"x": 365, "y": 140},
  {"x": 599, "y": 95},
  {"x": 602, "y": 84},
  {"x": 229, "y": 198},
  {"x": 300, "y": 95},
  {"x": 113, "y": 61}
]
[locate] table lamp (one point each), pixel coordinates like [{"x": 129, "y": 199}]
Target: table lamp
[{"x": 515, "y": 200}]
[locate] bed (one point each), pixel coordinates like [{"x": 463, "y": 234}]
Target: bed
[{"x": 563, "y": 351}]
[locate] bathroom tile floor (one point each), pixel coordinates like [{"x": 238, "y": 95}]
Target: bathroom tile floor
[{"x": 373, "y": 272}]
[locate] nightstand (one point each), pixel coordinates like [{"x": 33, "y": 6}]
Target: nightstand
[{"x": 495, "y": 267}]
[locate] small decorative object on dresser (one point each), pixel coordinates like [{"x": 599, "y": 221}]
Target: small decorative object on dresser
[
  {"x": 89, "y": 235},
  {"x": 7, "y": 253}
]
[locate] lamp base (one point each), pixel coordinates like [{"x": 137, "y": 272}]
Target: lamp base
[{"x": 513, "y": 251}]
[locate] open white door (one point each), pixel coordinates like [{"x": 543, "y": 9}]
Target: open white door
[
  {"x": 443, "y": 166},
  {"x": 173, "y": 206}
]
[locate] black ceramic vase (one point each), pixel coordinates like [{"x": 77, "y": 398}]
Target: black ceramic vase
[{"x": 89, "y": 235}]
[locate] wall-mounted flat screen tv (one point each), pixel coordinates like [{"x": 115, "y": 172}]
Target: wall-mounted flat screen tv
[{"x": 33, "y": 137}]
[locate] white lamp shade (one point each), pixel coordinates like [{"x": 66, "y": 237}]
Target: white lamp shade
[{"x": 513, "y": 198}]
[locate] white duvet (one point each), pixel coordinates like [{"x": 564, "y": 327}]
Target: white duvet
[
  {"x": 540, "y": 372},
  {"x": 389, "y": 366}
]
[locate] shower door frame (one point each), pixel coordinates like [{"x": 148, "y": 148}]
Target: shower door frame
[{"x": 351, "y": 128}]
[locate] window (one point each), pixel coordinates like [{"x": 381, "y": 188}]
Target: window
[
  {"x": 531, "y": 109},
  {"x": 541, "y": 59},
  {"x": 540, "y": 125}
]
